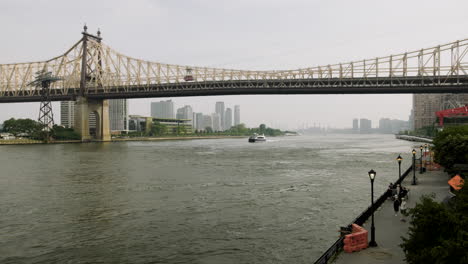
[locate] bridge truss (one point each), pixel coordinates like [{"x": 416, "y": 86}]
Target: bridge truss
[{"x": 93, "y": 69}]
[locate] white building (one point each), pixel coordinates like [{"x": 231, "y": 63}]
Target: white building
[
  {"x": 199, "y": 121},
  {"x": 219, "y": 109},
  {"x": 228, "y": 119},
  {"x": 162, "y": 109},
  {"x": 216, "y": 122},
  {"x": 207, "y": 122},
  {"x": 185, "y": 112},
  {"x": 236, "y": 115},
  {"x": 67, "y": 114},
  {"x": 118, "y": 114}
]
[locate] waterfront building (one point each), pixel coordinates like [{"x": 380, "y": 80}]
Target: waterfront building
[
  {"x": 425, "y": 106},
  {"x": 236, "y": 115},
  {"x": 200, "y": 122},
  {"x": 411, "y": 120},
  {"x": 219, "y": 109},
  {"x": 365, "y": 125},
  {"x": 185, "y": 112},
  {"x": 207, "y": 122},
  {"x": 173, "y": 126},
  {"x": 139, "y": 123},
  {"x": 216, "y": 122},
  {"x": 194, "y": 121},
  {"x": 392, "y": 126},
  {"x": 355, "y": 124},
  {"x": 162, "y": 109},
  {"x": 118, "y": 114},
  {"x": 228, "y": 119},
  {"x": 67, "y": 114}
]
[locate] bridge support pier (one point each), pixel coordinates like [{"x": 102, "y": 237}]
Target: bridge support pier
[{"x": 100, "y": 108}]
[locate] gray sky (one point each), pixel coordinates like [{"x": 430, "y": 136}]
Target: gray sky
[{"x": 241, "y": 34}]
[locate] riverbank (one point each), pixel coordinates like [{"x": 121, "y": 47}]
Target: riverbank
[
  {"x": 32, "y": 141},
  {"x": 414, "y": 138},
  {"x": 173, "y": 138}
]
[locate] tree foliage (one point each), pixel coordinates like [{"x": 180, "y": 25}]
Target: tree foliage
[
  {"x": 62, "y": 133},
  {"x": 19, "y": 126},
  {"x": 451, "y": 146},
  {"x": 438, "y": 232},
  {"x": 158, "y": 129}
]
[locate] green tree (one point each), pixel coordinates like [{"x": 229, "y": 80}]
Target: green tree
[
  {"x": 438, "y": 233},
  {"x": 158, "y": 129},
  {"x": 208, "y": 129},
  {"x": 18, "y": 126},
  {"x": 62, "y": 133},
  {"x": 451, "y": 146},
  {"x": 262, "y": 128}
]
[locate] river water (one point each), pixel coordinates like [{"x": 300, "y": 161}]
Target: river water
[{"x": 193, "y": 201}]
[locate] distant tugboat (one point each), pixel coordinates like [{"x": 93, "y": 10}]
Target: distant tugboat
[{"x": 257, "y": 138}]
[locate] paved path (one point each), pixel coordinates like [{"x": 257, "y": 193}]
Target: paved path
[{"x": 389, "y": 228}]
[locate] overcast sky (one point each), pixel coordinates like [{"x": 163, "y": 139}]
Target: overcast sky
[{"x": 240, "y": 34}]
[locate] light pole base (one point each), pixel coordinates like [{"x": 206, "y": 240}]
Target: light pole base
[{"x": 372, "y": 244}]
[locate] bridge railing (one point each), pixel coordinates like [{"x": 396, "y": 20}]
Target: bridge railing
[
  {"x": 109, "y": 70},
  {"x": 359, "y": 220}
]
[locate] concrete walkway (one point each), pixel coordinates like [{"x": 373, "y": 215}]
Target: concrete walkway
[{"x": 389, "y": 228}]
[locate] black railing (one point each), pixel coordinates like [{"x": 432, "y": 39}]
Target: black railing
[{"x": 360, "y": 220}]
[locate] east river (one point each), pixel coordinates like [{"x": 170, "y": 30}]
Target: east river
[{"x": 191, "y": 201}]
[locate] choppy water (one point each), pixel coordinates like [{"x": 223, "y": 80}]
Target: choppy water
[{"x": 200, "y": 201}]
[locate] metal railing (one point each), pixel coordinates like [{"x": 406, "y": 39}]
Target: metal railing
[{"x": 360, "y": 220}]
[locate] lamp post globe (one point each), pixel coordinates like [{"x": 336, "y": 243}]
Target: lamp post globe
[
  {"x": 399, "y": 159},
  {"x": 414, "y": 167},
  {"x": 372, "y": 242}
]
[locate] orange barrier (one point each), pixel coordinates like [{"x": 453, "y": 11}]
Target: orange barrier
[
  {"x": 357, "y": 240},
  {"x": 456, "y": 182}
]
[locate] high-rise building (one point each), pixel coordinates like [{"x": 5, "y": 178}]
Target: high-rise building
[
  {"x": 228, "y": 119},
  {"x": 67, "y": 113},
  {"x": 236, "y": 115},
  {"x": 194, "y": 121},
  {"x": 392, "y": 126},
  {"x": 219, "y": 109},
  {"x": 355, "y": 124},
  {"x": 118, "y": 114},
  {"x": 411, "y": 120},
  {"x": 207, "y": 122},
  {"x": 425, "y": 106},
  {"x": 200, "y": 121},
  {"x": 162, "y": 109},
  {"x": 185, "y": 112},
  {"x": 365, "y": 125},
  {"x": 216, "y": 122}
]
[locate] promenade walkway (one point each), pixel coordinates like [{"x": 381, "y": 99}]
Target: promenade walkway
[{"x": 388, "y": 227}]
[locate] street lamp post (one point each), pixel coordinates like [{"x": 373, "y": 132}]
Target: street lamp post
[
  {"x": 414, "y": 167},
  {"x": 426, "y": 153},
  {"x": 420, "y": 160},
  {"x": 372, "y": 174},
  {"x": 399, "y": 159}
]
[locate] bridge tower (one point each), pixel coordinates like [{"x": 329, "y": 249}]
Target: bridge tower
[{"x": 84, "y": 106}]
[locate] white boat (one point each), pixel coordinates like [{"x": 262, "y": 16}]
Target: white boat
[{"x": 257, "y": 138}]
